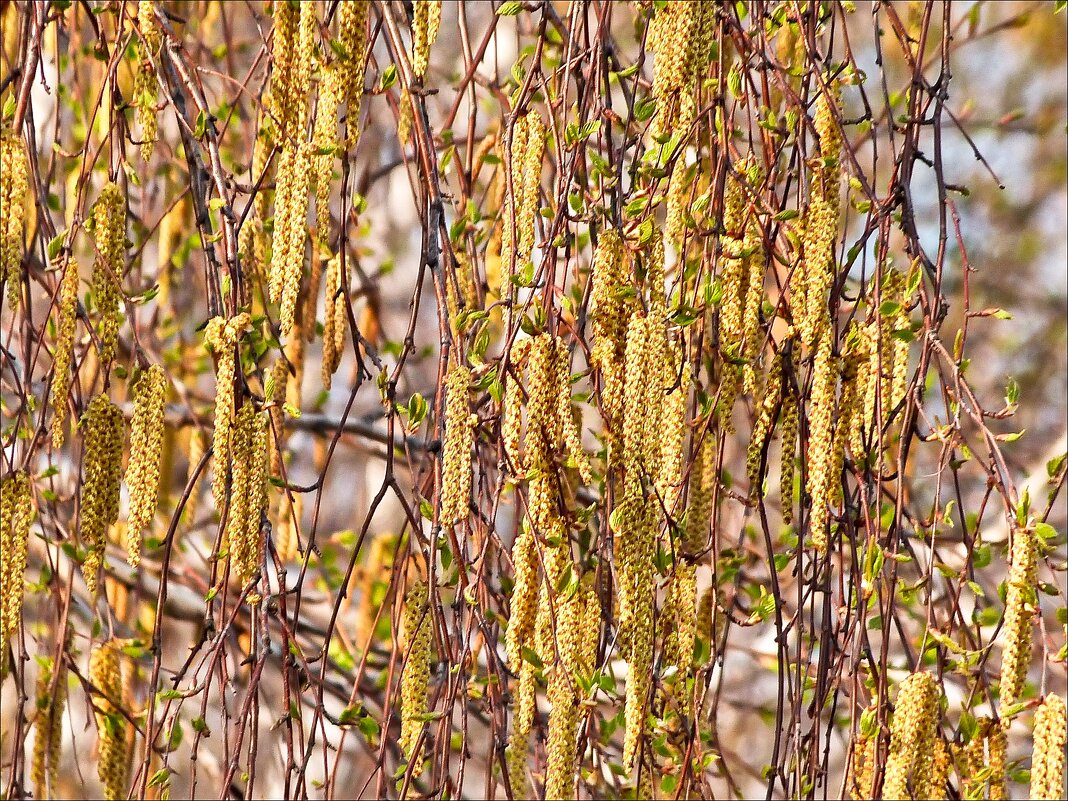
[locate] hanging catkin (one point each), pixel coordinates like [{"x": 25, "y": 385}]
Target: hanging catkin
[
  {"x": 146, "y": 454},
  {"x": 105, "y": 674},
  {"x": 1020, "y": 605},
  {"x": 426, "y": 21},
  {"x": 912, "y": 734},
  {"x": 352, "y": 42},
  {"x": 63, "y": 356},
  {"x": 610, "y": 308},
  {"x": 14, "y": 194},
  {"x": 820, "y": 456},
  {"x": 335, "y": 321},
  {"x": 415, "y": 673},
  {"x": 51, "y": 699},
  {"x": 108, "y": 227},
  {"x": 16, "y": 514},
  {"x": 145, "y": 84},
  {"x": 103, "y": 425},
  {"x": 456, "y": 450},
  {"x": 1047, "y": 761}
]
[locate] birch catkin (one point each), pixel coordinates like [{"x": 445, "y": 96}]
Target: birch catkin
[
  {"x": 146, "y": 454},
  {"x": 105, "y": 673},
  {"x": 51, "y": 699},
  {"x": 912, "y": 735},
  {"x": 145, "y": 84},
  {"x": 415, "y": 674},
  {"x": 1019, "y": 609},
  {"x": 14, "y": 192},
  {"x": 63, "y": 357},
  {"x": 16, "y": 514},
  {"x": 456, "y": 450},
  {"x": 104, "y": 439},
  {"x": 1047, "y": 762},
  {"x": 426, "y": 20},
  {"x": 108, "y": 227}
]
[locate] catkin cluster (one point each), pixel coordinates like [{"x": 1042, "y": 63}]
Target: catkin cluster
[
  {"x": 415, "y": 674},
  {"x": 352, "y": 43},
  {"x": 294, "y": 49},
  {"x": 820, "y": 449},
  {"x": 146, "y": 455},
  {"x": 145, "y": 85},
  {"x": 108, "y": 228},
  {"x": 456, "y": 450},
  {"x": 51, "y": 698},
  {"x": 335, "y": 321},
  {"x": 105, "y": 674},
  {"x": 817, "y": 268},
  {"x": 521, "y": 201},
  {"x": 912, "y": 736},
  {"x": 680, "y": 35},
  {"x": 223, "y": 335},
  {"x": 248, "y": 494},
  {"x": 63, "y": 356},
  {"x": 426, "y": 21},
  {"x": 1047, "y": 763},
  {"x": 16, "y": 513},
  {"x": 1020, "y": 605},
  {"x": 104, "y": 435},
  {"x": 14, "y": 192}
]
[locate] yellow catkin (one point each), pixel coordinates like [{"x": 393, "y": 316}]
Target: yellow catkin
[
  {"x": 643, "y": 399},
  {"x": 971, "y": 760},
  {"x": 290, "y": 231},
  {"x": 325, "y": 138},
  {"x": 248, "y": 494},
  {"x": 735, "y": 290},
  {"x": 145, "y": 84},
  {"x": 16, "y": 514},
  {"x": 108, "y": 228},
  {"x": 672, "y": 431},
  {"x": 309, "y": 303},
  {"x": 1020, "y": 603},
  {"x": 146, "y": 453},
  {"x": 352, "y": 42},
  {"x": 104, "y": 439},
  {"x": 522, "y": 720},
  {"x": 63, "y": 356},
  {"x": 752, "y": 334},
  {"x": 561, "y": 745},
  {"x": 680, "y": 612},
  {"x": 14, "y": 194},
  {"x": 521, "y": 203},
  {"x": 286, "y": 537},
  {"x": 1047, "y": 761},
  {"x": 854, "y": 367},
  {"x": 912, "y": 735},
  {"x": 51, "y": 697},
  {"x": 702, "y": 484},
  {"x": 997, "y": 748},
  {"x": 456, "y": 450},
  {"x": 335, "y": 321},
  {"x": 524, "y": 596},
  {"x": 415, "y": 673},
  {"x": 512, "y": 407},
  {"x": 105, "y": 674},
  {"x": 679, "y": 39},
  {"x": 571, "y": 434},
  {"x": 789, "y": 417},
  {"x": 426, "y": 21},
  {"x": 278, "y": 385},
  {"x": 865, "y": 754},
  {"x": 610, "y": 309},
  {"x": 820, "y": 456},
  {"x": 941, "y": 763}
]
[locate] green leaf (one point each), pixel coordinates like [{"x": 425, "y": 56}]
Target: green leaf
[
  {"x": 56, "y": 244},
  {"x": 509, "y": 9},
  {"x": 201, "y": 126}
]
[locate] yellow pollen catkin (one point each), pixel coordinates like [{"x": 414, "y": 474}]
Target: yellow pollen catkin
[
  {"x": 146, "y": 454},
  {"x": 290, "y": 231},
  {"x": 325, "y": 138},
  {"x": 524, "y": 596},
  {"x": 571, "y": 434},
  {"x": 63, "y": 357},
  {"x": 253, "y": 241},
  {"x": 912, "y": 735},
  {"x": 105, "y": 674},
  {"x": 763, "y": 425},
  {"x": 51, "y": 697},
  {"x": 865, "y": 753},
  {"x": 16, "y": 514},
  {"x": 108, "y": 227},
  {"x": 672, "y": 431},
  {"x": 1047, "y": 762},
  {"x": 521, "y": 202},
  {"x": 426, "y": 21},
  {"x": 335, "y": 321},
  {"x": 198, "y": 445},
  {"x": 248, "y": 494},
  {"x": 512, "y": 407},
  {"x": 352, "y": 42},
  {"x": 610, "y": 308},
  {"x": 755, "y": 267},
  {"x": 997, "y": 748},
  {"x": 735, "y": 291},
  {"x": 820, "y": 456},
  {"x": 561, "y": 745},
  {"x": 14, "y": 194},
  {"x": 456, "y": 450},
  {"x": 223, "y": 335},
  {"x": 415, "y": 674},
  {"x": 104, "y": 440},
  {"x": 1020, "y": 604},
  {"x": 286, "y": 537},
  {"x": 145, "y": 84}
]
